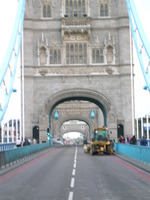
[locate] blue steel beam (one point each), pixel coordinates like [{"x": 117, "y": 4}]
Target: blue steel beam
[
  {"x": 15, "y": 38},
  {"x": 137, "y": 30}
]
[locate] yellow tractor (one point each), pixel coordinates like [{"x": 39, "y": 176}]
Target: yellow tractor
[{"x": 100, "y": 142}]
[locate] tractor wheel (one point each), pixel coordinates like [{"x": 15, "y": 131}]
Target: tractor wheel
[
  {"x": 92, "y": 150},
  {"x": 109, "y": 150}
]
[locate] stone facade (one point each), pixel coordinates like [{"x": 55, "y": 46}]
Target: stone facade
[{"x": 77, "y": 51}]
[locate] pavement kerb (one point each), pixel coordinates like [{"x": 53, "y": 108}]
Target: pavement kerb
[{"x": 138, "y": 164}]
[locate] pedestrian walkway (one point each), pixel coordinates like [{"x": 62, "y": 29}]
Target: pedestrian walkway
[{"x": 139, "y": 164}]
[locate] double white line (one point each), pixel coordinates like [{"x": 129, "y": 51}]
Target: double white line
[{"x": 73, "y": 176}]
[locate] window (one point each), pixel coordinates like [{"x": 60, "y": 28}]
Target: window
[
  {"x": 47, "y": 10},
  {"x": 75, "y": 8},
  {"x": 104, "y": 9},
  {"x": 97, "y": 55},
  {"x": 55, "y": 56},
  {"x": 76, "y": 53}
]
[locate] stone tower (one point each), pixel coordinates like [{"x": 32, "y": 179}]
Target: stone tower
[{"x": 77, "y": 50}]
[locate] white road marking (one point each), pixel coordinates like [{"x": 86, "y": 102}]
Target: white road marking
[
  {"x": 73, "y": 172},
  {"x": 72, "y": 182},
  {"x": 70, "y": 196},
  {"x": 74, "y": 165}
]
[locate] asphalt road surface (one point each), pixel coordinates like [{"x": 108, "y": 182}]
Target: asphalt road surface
[{"x": 70, "y": 174}]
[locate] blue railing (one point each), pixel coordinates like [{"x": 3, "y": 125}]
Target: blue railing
[
  {"x": 148, "y": 143},
  {"x": 139, "y": 153},
  {"x": 7, "y": 146},
  {"x": 10, "y": 156}
]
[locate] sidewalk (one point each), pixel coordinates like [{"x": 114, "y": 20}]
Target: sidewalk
[{"x": 139, "y": 164}]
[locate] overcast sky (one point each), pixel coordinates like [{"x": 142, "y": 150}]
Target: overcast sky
[{"x": 7, "y": 15}]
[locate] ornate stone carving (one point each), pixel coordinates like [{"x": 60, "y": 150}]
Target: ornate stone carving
[{"x": 109, "y": 42}]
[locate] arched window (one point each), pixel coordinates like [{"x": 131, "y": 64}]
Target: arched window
[
  {"x": 67, "y": 8},
  {"x": 120, "y": 130},
  {"x": 104, "y": 6},
  {"x": 67, "y": 54},
  {"x": 85, "y": 53},
  {"x": 101, "y": 56},
  {"x": 76, "y": 53},
  {"x": 79, "y": 8},
  {"x": 44, "y": 11},
  {"x": 43, "y": 57},
  {"x": 75, "y": 8},
  {"x": 93, "y": 56},
  {"x": 80, "y": 54},
  {"x": 97, "y": 56},
  {"x": 47, "y": 10},
  {"x": 55, "y": 56},
  {"x": 72, "y": 54},
  {"x": 109, "y": 54},
  {"x": 101, "y": 10},
  {"x": 106, "y": 9},
  {"x": 71, "y": 8}
]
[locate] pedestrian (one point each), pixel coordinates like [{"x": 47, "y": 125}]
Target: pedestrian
[
  {"x": 26, "y": 142},
  {"x": 34, "y": 141},
  {"x": 133, "y": 140},
  {"x": 121, "y": 140},
  {"x": 143, "y": 141}
]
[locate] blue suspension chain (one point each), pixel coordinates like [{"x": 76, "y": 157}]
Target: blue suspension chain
[
  {"x": 141, "y": 42},
  {"x": 8, "y": 68}
]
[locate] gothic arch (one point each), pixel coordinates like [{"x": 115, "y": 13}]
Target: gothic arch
[
  {"x": 79, "y": 94},
  {"x": 74, "y": 117}
]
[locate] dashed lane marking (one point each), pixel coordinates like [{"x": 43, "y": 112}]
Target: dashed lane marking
[
  {"x": 72, "y": 182},
  {"x": 73, "y": 172},
  {"x": 70, "y": 196}
]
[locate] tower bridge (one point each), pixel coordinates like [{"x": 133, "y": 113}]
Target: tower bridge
[
  {"x": 78, "y": 55},
  {"x": 75, "y": 51}
]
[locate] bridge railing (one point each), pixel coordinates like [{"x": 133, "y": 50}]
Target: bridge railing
[
  {"x": 7, "y": 146},
  {"x": 13, "y": 155},
  {"x": 136, "y": 152}
]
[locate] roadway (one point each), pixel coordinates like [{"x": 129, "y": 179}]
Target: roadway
[{"x": 69, "y": 174}]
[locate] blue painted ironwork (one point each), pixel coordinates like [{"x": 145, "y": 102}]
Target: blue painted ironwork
[
  {"x": 56, "y": 115},
  {"x": 8, "y": 69},
  {"x": 92, "y": 114},
  {"x": 7, "y": 146},
  {"x": 9, "y": 156},
  {"x": 136, "y": 152},
  {"x": 141, "y": 42}
]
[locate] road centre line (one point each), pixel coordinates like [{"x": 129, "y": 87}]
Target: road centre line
[
  {"x": 74, "y": 165},
  {"x": 70, "y": 196},
  {"x": 72, "y": 182},
  {"x": 73, "y": 172}
]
